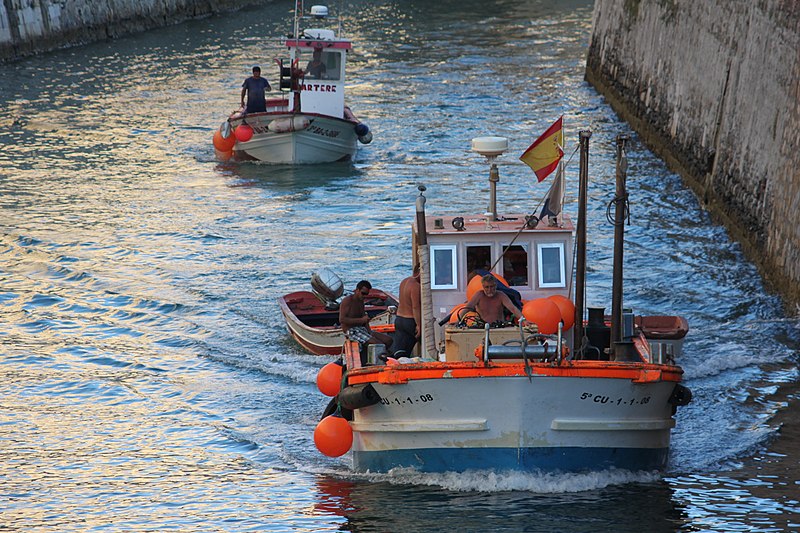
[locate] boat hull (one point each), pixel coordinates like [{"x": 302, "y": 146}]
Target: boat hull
[
  {"x": 297, "y": 139},
  {"x": 570, "y": 420},
  {"x": 316, "y": 329}
]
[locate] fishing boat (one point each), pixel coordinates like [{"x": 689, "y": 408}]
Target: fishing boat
[
  {"x": 312, "y": 317},
  {"x": 586, "y": 394},
  {"x": 309, "y": 122}
]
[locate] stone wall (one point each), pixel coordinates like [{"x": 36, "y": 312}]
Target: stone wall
[
  {"x": 713, "y": 87},
  {"x": 32, "y": 26}
]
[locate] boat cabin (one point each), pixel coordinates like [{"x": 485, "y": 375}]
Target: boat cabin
[
  {"x": 321, "y": 57},
  {"x": 535, "y": 261}
]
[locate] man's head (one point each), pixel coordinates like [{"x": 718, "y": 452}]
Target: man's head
[
  {"x": 256, "y": 71},
  {"x": 489, "y": 284},
  {"x": 415, "y": 272},
  {"x": 362, "y": 289},
  {"x": 317, "y": 53}
]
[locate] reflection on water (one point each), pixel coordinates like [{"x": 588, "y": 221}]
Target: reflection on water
[
  {"x": 284, "y": 177},
  {"x": 382, "y": 506},
  {"x": 148, "y": 380}
]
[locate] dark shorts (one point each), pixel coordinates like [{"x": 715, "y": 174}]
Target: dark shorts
[{"x": 405, "y": 337}]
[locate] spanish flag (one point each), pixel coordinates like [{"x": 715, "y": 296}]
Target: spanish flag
[{"x": 545, "y": 152}]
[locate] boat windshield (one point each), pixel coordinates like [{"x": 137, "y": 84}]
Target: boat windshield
[{"x": 322, "y": 64}]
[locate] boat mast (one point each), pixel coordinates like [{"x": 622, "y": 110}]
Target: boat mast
[
  {"x": 620, "y": 212},
  {"x": 580, "y": 237},
  {"x": 426, "y": 300},
  {"x": 298, "y": 13}
]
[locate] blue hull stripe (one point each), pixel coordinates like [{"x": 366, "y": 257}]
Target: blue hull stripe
[{"x": 564, "y": 459}]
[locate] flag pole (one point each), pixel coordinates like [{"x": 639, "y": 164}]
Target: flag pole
[
  {"x": 620, "y": 210},
  {"x": 580, "y": 238}
]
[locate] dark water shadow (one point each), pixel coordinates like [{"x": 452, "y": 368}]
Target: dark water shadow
[
  {"x": 287, "y": 177},
  {"x": 378, "y": 507}
]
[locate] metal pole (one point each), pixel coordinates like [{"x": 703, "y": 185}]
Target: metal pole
[
  {"x": 580, "y": 237},
  {"x": 494, "y": 178},
  {"x": 426, "y": 299},
  {"x": 620, "y": 203}
]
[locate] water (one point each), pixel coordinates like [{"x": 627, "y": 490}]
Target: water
[{"x": 147, "y": 381}]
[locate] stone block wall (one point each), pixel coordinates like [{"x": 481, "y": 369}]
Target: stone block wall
[
  {"x": 32, "y": 26},
  {"x": 713, "y": 87}
]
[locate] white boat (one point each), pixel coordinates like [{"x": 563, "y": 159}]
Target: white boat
[
  {"x": 594, "y": 397},
  {"x": 309, "y": 122}
]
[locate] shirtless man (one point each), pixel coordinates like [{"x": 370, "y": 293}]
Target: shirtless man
[
  {"x": 489, "y": 303},
  {"x": 406, "y": 325},
  {"x": 355, "y": 321}
]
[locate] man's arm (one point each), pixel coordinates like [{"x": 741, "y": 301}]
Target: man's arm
[
  {"x": 416, "y": 306},
  {"x": 244, "y": 92},
  {"x": 510, "y": 305}
]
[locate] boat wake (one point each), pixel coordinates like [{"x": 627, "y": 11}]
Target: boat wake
[{"x": 493, "y": 481}]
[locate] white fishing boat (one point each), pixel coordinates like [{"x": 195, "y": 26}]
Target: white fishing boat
[
  {"x": 309, "y": 122},
  {"x": 580, "y": 395}
]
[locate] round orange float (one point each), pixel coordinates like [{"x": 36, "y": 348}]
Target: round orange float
[
  {"x": 333, "y": 436},
  {"x": 567, "y": 309},
  {"x": 223, "y": 156},
  {"x": 221, "y": 143},
  {"x": 454, "y": 312},
  {"x": 329, "y": 379},
  {"x": 544, "y": 313},
  {"x": 243, "y": 133},
  {"x": 475, "y": 285}
]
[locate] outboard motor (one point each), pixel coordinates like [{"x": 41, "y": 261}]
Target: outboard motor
[{"x": 327, "y": 287}]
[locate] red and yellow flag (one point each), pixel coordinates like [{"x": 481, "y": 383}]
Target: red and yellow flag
[{"x": 545, "y": 152}]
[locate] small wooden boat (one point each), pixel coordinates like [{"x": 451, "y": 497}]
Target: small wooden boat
[
  {"x": 566, "y": 395},
  {"x": 312, "y": 317}
]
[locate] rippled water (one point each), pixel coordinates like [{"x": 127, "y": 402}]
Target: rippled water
[{"x": 147, "y": 381}]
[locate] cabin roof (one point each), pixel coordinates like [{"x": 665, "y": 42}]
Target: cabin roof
[
  {"x": 318, "y": 43},
  {"x": 477, "y": 224}
]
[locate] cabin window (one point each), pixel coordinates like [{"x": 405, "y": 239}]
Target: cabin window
[
  {"x": 478, "y": 258},
  {"x": 332, "y": 61},
  {"x": 551, "y": 265},
  {"x": 515, "y": 265},
  {"x": 443, "y": 266}
]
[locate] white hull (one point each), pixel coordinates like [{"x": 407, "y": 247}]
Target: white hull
[
  {"x": 323, "y": 341},
  {"x": 324, "y": 140},
  {"x": 547, "y": 423}
]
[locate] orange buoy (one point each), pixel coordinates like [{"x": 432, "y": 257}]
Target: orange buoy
[
  {"x": 567, "y": 309},
  {"x": 333, "y": 436},
  {"x": 221, "y": 143},
  {"x": 223, "y": 156},
  {"x": 454, "y": 312},
  {"x": 475, "y": 285},
  {"x": 544, "y": 313},
  {"x": 329, "y": 379},
  {"x": 243, "y": 133}
]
